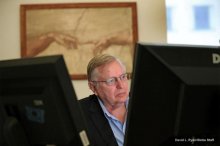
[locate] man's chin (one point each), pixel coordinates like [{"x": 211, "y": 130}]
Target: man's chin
[{"x": 122, "y": 98}]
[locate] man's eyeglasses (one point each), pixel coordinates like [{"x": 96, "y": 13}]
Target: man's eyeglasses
[{"x": 112, "y": 81}]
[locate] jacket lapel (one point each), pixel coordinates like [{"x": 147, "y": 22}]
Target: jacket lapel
[{"x": 101, "y": 123}]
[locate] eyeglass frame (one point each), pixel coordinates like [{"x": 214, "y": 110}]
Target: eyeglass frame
[{"x": 109, "y": 82}]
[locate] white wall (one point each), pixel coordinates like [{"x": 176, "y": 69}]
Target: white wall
[{"x": 151, "y": 27}]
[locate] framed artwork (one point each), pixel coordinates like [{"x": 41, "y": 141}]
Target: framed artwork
[{"x": 79, "y": 31}]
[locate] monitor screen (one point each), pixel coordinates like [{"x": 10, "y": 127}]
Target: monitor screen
[
  {"x": 175, "y": 96},
  {"x": 38, "y": 105}
]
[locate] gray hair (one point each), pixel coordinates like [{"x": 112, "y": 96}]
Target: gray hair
[{"x": 100, "y": 60}]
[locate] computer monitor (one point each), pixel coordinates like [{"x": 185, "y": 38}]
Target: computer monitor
[
  {"x": 38, "y": 105},
  {"x": 175, "y": 96}
]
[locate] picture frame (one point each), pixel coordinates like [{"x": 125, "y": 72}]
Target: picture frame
[{"x": 79, "y": 31}]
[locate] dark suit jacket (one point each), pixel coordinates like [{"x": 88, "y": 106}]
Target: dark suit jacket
[{"x": 98, "y": 127}]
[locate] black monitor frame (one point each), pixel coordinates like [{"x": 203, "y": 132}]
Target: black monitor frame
[
  {"x": 175, "y": 96},
  {"x": 38, "y": 104}
]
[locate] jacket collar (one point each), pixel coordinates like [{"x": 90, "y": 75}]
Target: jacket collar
[{"x": 101, "y": 123}]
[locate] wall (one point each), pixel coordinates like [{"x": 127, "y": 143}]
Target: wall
[{"x": 151, "y": 26}]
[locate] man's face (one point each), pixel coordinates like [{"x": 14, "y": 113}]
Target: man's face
[{"x": 111, "y": 95}]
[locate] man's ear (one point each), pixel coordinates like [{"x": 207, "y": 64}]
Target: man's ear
[{"x": 92, "y": 87}]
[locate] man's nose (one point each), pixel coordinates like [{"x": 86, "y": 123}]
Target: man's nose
[{"x": 119, "y": 83}]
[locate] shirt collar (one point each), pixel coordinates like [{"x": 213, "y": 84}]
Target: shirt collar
[{"x": 106, "y": 111}]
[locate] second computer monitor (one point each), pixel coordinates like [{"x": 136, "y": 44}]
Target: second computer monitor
[{"x": 175, "y": 96}]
